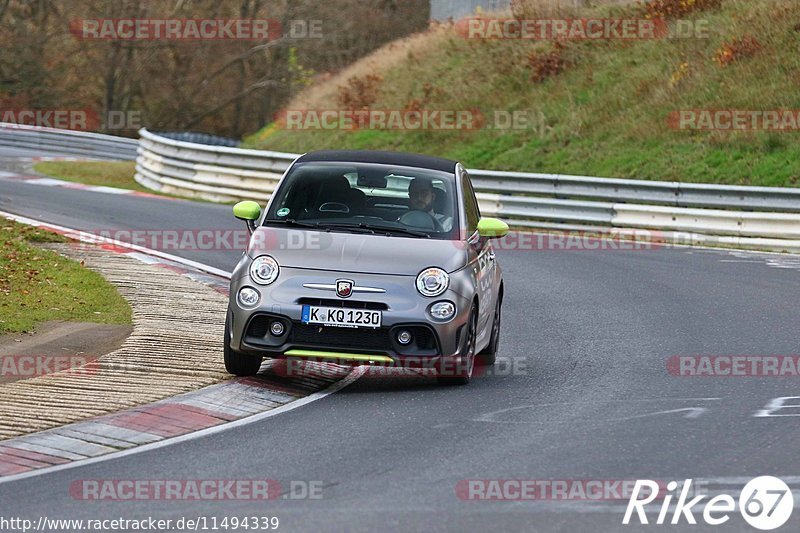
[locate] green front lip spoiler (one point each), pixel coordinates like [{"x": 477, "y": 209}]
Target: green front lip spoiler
[{"x": 341, "y": 356}]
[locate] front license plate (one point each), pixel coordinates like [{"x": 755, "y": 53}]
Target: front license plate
[{"x": 337, "y": 316}]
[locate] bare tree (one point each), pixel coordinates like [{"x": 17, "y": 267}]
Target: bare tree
[{"x": 225, "y": 87}]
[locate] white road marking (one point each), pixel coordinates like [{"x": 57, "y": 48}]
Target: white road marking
[
  {"x": 785, "y": 261},
  {"x": 777, "y": 404},
  {"x": 490, "y": 417},
  {"x": 691, "y": 412}
]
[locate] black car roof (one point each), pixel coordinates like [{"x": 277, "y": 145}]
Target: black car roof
[{"x": 381, "y": 157}]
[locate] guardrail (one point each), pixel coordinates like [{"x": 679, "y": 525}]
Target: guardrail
[
  {"x": 671, "y": 193},
  {"x": 762, "y": 217},
  {"x": 217, "y": 173},
  {"x": 67, "y": 142},
  {"x": 739, "y": 214}
]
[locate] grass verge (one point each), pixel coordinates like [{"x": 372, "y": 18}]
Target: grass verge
[
  {"x": 600, "y": 108},
  {"x": 37, "y": 285},
  {"x": 117, "y": 174}
]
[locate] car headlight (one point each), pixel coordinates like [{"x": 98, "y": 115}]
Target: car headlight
[
  {"x": 248, "y": 297},
  {"x": 443, "y": 310},
  {"x": 264, "y": 270},
  {"x": 432, "y": 281}
]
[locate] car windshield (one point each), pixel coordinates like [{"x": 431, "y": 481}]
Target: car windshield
[{"x": 367, "y": 197}]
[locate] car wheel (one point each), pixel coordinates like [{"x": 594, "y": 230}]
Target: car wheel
[
  {"x": 467, "y": 363},
  {"x": 488, "y": 356},
  {"x": 237, "y": 363}
]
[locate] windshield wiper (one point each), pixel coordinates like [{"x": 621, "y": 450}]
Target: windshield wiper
[
  {"x": 393, "y": 229},
  {"x": 361, "y": 227},
  {"x": 350, "y": 226},
  {"x": 293, "y": 222}
]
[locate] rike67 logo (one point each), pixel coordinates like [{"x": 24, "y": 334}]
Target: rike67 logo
[{"x": 765, "y": 503}]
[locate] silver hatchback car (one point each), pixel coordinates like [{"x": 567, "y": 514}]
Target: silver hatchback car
[{"x": 363, "y": 257}]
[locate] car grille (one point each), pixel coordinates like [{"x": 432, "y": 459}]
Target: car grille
[{"x": 354, "y": 338}]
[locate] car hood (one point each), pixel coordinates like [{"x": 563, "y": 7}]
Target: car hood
[{"x": 355, "y": 252}]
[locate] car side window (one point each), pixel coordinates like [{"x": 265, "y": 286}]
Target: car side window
[{"x": 471, "y": 209}]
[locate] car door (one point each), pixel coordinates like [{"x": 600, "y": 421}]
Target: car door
[{"x": 481, "y": 257}]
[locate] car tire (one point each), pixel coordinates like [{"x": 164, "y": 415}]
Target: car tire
[
  {"x": 237, "y": 363},
  {"x": 488, "y": 355},
  {"x": 466, "y": 367}
]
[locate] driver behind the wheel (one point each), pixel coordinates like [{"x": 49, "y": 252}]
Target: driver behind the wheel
[{"x": 421, "y": 197}]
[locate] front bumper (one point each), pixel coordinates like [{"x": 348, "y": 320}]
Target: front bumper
[{"x": 401, "y": 305}]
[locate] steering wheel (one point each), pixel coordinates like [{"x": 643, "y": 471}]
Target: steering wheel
[{"x": 421, "y": 219}]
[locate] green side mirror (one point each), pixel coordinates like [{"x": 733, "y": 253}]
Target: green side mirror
[
  {"x": 248, "y": 210},
  {"x": 492, "y": 228}
]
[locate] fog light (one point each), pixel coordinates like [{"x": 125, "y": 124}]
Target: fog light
[
  {"x": 404, "y": 337},
  {"x": 443, "y": 310},
  {"x": 276, "y": 328},
  {"x": 248, "y": 297}
]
